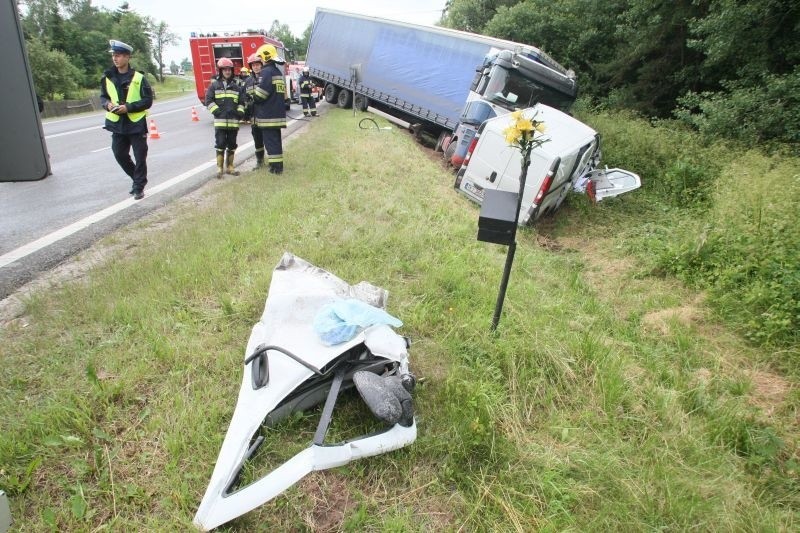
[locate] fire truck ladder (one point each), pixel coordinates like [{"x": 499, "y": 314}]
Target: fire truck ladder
[{"x": 207, "y": 63}]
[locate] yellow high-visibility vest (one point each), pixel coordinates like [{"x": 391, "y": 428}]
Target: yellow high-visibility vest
[{"x": 134, "y": 95}]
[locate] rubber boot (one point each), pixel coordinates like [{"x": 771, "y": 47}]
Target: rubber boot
[
  {"x": 260, "y": 158},
  {"x": 220, "y": 162},
  {"x": 230, "y": 169},
  {"x": 276, "y": 168}
]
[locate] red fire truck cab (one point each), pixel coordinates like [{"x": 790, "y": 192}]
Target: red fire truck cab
[{"x": 236, "y": 46}]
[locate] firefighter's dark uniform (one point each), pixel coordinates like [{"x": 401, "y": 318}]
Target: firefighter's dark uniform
[
  {"x": 128, "y": 130},
  {"x": 225, "y": 99},
  {"x": 269, "y": 113},
  {"x": 250, "y": 85},
  {"x": 306, "y": 99}
]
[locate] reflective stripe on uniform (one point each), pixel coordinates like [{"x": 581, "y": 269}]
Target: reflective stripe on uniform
[
  {"x": 227, "y": 123},
  {"x": 271, "y": 122}
]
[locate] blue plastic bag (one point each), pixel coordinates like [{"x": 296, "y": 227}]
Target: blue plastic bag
[{"x": 342, "y": 320}]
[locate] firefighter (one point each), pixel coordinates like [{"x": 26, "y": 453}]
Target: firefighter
[
  {"x": 244, "y": 75},
  {"x": 306, "y": 98},
  {"x": 269, "y": 109},
  {"x": 250, "y": 84},
  {"x": 126, "y": 96},
  {"x": 225, "y": 98}
]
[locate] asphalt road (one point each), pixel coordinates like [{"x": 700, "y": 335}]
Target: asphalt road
[{"x": 44, "y": 222}]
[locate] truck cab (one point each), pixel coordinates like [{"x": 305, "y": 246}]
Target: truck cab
[
  {"x": 569, "y": 159},
  {"x": 506, "y": 81}
]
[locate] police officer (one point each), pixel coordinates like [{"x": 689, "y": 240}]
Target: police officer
[
  {"x": 225, "y": 98},
  {"x": 269, "y": 110},
  {"x": 126, "y": 96},
  {"x": 306, "y": 84}
]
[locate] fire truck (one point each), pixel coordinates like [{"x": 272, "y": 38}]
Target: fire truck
[{"x": 208, "y": 48}]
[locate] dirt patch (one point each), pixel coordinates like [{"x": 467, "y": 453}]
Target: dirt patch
[
  {"x": 661, "y": 321},
  {"x": 769, "y": 391},
  {"x": 330, "y": 500}
]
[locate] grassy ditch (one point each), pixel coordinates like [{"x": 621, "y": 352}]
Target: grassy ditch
[{"x": 608, "y": 399}]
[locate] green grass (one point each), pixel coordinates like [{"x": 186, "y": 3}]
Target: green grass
[{"x": 608, "y": 399}]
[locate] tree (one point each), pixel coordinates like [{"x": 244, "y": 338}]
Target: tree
[
  {"x": 161, "y": 38},
  {"x": 132, "y": 28},
  {"x": 53, "y": 73},
  {"x": 284, "y": 35},
  {"x": 186, "y": 64},
  {"x": 471, "y": 15}
]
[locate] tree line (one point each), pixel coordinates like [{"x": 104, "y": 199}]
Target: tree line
[
  {"x": 726, "y": 67},
  {"x": 67, "y": 43}
]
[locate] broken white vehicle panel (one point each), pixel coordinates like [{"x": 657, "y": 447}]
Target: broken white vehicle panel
[{"x": 287, "y": 369}]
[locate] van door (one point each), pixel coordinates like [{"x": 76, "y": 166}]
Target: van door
[{"x": 488, "y": 164}]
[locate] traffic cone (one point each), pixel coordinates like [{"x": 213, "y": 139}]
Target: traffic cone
[
  {"x": 195, "y": 118},
  {"x": 153, "y": 130}
]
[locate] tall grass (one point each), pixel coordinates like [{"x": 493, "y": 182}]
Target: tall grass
[
  {"x": 729, "y": 222},
  {"x": 577, "y": 414}
]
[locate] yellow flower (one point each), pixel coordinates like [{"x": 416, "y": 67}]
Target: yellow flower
[
  {"x": 522, "y": 131},
  {"x": 524, "y": 125}
]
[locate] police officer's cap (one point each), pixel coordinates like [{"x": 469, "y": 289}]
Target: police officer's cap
[{"x": 119, "y": 47}]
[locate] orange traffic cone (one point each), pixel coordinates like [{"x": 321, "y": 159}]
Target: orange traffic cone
[
  {"x": 153, "y": 130},
  {"x": 195, "y": 118}
]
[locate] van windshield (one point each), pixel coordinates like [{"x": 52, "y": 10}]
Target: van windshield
[{"x": 511, "y": 90}]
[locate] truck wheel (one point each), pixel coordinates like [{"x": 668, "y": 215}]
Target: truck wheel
[
  {"x": 361, "y": 102},
  {"x": 345, "y": 99},
  {"x": 440, "y": 141},
  {"x": 450, "y": 150},
  {"x": 331, "y": 93}
]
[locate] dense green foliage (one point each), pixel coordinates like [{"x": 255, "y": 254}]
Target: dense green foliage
[
  {"x": 78, "y": 33},
  {"x": 727, "y": 67}
]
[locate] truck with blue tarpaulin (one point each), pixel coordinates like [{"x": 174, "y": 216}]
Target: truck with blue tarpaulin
[{"x": 443, "y": 82}]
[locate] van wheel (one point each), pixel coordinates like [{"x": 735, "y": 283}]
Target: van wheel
[
  {"x": 345, "y": 99},
  {"x": 331, "y": 93},
  {"x": 459, "y": 178},
  {"x": 360, "y": 102}
]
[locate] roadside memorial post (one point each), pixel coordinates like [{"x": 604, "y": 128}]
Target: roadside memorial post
[{"x": 499, "y": 214}]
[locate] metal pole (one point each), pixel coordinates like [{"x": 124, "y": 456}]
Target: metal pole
[
  {"x": 512, "y": 248},
  {"x": 501, "y": 296}
]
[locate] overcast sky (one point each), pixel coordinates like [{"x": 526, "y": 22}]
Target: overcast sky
[{"x": 184, "y": 17}]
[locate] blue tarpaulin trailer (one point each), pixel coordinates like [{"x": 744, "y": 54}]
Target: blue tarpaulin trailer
[{"x": 425, "y": 73}]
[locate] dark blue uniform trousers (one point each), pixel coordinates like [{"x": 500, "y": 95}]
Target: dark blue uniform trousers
[{"x": 121, "y": 145}]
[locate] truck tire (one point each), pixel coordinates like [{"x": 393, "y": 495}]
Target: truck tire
[
  {"x": 440, "y": 141},
  {"x": 331, "y": 93},
  {"x": 345, "y": 99},
  {"x": 361, "y": 102},
  {"x": 450, "y": 150}
]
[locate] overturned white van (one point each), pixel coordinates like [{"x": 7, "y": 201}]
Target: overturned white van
[{"x": 569, "y": 159}]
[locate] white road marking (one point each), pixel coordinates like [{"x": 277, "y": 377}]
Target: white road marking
[
  {"x": 43, "y": 242},
  {"x": 99, "y": 127}
]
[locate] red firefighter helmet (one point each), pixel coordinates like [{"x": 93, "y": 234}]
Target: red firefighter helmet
[
  {"x": 224, "y": 63},
  {"x": 254, "y": 58}
]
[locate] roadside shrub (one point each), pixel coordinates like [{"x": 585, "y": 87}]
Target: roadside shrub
[
  {"x": 763, "y": 113},
  {"x": 672, "y": 161},
  {"x": 746, "y": 251}
]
